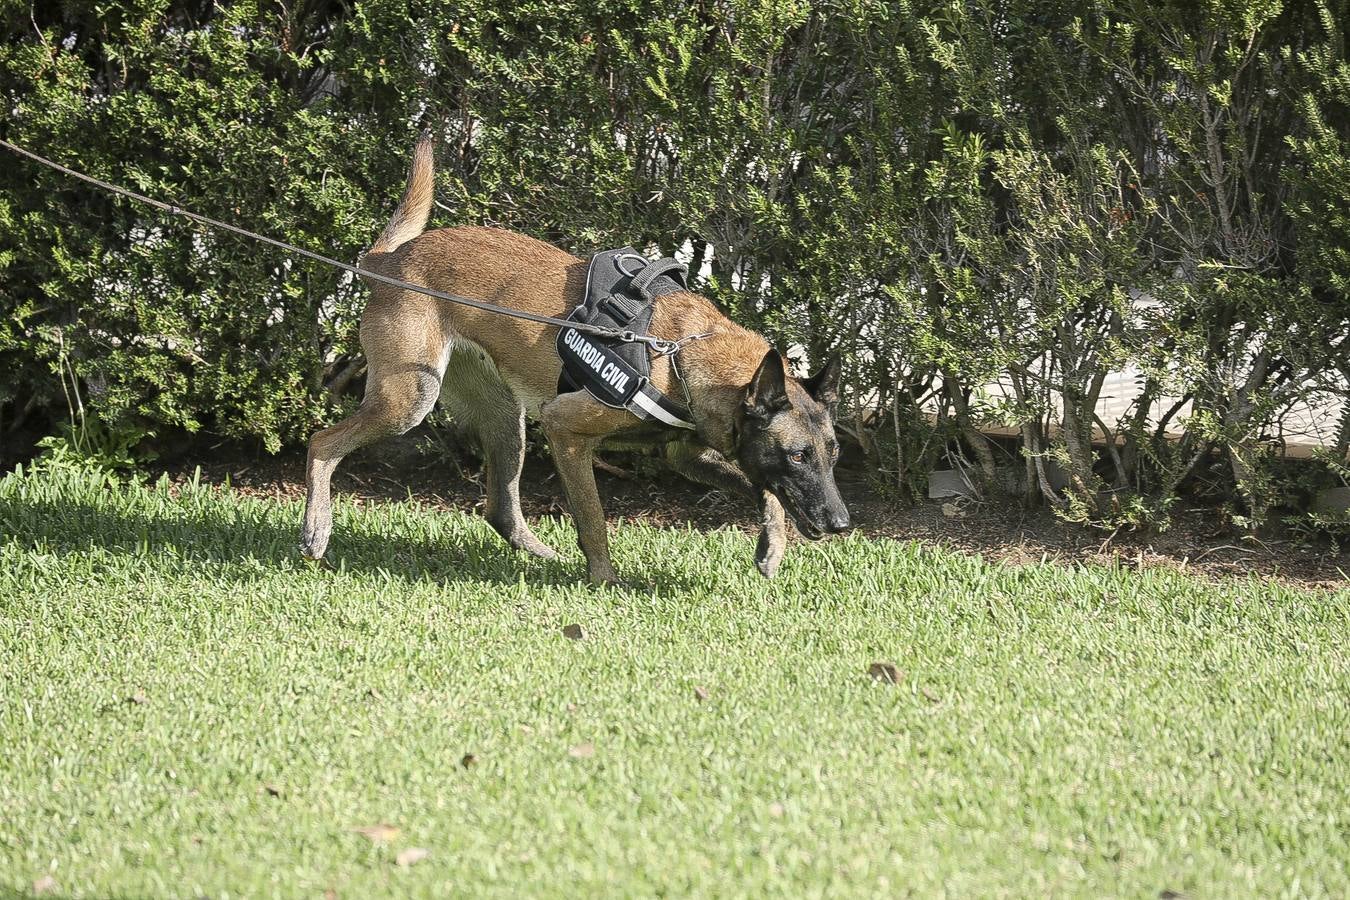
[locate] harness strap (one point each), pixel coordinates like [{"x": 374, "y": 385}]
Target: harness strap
[
  {"x": 642, "y": 282},
  {"x": 660, "y": 407},
  {"x": 623, "y": 308}
]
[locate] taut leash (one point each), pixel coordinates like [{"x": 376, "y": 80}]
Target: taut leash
[{"x": 660, "y": 345}]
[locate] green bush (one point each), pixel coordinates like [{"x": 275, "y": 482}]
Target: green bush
[{"x": 947, "y": 193}]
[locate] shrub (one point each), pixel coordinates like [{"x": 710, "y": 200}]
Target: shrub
[{"x": 951, "y": 195}]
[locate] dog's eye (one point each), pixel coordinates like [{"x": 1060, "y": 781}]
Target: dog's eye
[{"x": 797, "y": 456}]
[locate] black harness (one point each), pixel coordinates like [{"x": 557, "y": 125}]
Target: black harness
[{"x": 621, "y": 289}]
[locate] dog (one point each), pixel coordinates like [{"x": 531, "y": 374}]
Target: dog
[{"x": 759, "y": 431}]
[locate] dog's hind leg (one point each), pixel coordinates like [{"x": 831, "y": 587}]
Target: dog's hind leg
[
  {"x": 574, "y": 424},
  {"x": 504, "y": 451},
  {"x": 479, "y": 400},
  {"x": 398, "y": 396}
]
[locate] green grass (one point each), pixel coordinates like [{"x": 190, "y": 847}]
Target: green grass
[{"x": 1058, "y": 731}]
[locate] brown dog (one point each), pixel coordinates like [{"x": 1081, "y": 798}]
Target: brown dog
[{"x": 759, "y": 431}]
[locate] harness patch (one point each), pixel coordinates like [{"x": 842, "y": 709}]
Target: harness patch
[{"x": 609, "y": 369}]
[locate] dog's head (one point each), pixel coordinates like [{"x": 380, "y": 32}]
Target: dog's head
[{"x": 785, "y": 443}]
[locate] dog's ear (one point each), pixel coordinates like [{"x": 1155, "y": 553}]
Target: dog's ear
[
  {"x": 767, "y": 391},
  {"x": 824, "y": 385}
]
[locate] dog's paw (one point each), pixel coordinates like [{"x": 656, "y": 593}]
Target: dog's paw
[
  {"x": 312, "y": 547},
  {"x": 309, "y": 555},
  {"x": 535, "y": 547},
  {"x": 768, "y": 554},
  {"x": 519, "y": 536},
  {"x": 769, "y": 565},
  {"x": 604, "y": 577}
]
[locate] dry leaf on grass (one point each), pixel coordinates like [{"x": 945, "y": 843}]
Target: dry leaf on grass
[
  {"x": 700, "y": 693},
  {"x": 468, "y": 761},
  {"x": 138, "y": 698},
  {"x": 44, "y": 885},
  {"x": 574, "y": 631},
  {"x": 776, "y": 810},
  {"x": 929, "y": 694},
  {"x": 582, "y": 751},
  {"x": 272, "y": 790},
  {"x": 412, "y": 856},
  {"x": 885, "y": 671},
  {"x": 379, "y": 834}
]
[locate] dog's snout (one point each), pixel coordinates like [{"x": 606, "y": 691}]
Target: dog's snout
[{"x": 838, "y": 521}]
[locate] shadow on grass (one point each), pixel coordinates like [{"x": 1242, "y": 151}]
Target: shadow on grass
[{"x": 238, "y": 540}]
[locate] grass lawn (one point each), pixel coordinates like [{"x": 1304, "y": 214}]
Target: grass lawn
[{"x": 188, "y": 709}]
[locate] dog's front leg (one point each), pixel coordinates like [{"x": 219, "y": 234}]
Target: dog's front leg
[
  {"x": 772, "y": 535},
  {"x": 574, "y": 424},
  {"x": 707, "y": 466}
]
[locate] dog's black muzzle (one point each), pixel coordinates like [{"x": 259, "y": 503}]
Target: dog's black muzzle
[{"x": 822, "y": 520}]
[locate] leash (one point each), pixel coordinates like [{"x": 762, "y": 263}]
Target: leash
[{"x": 660, "y": 345}]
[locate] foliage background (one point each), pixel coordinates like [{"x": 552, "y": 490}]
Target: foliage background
[{"x": 947, "y": 193}]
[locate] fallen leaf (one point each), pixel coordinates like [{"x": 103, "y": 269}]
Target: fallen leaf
[
  {"x": 885, "y": 671},
  {"x": 582, "y": 751},
  {"x": 929, "y": 694},
  {"x": 138, "y": 698},
  {"x": 700, "y": 693},
  {"x": 45, "y": 884},
  {"x": 776, "y": 810},
  {"x": 574, "y": 631},
  {"x": 272, "y": 790},
  {"x": 572, "y": 707},
  {"x": 379, "y": 834},
  {"x": 468, "y": 761},
  {"x": 1169, "y": 894},
  {"x": 412, "y": 856}
]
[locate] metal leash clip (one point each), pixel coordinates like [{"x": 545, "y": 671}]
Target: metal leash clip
[{"x": 667, "y": 348}]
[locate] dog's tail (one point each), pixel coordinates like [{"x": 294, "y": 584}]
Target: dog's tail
[{"x": 410, "y": 218}]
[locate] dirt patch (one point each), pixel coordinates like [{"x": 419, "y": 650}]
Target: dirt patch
[{"x": 420, "y": 467}]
